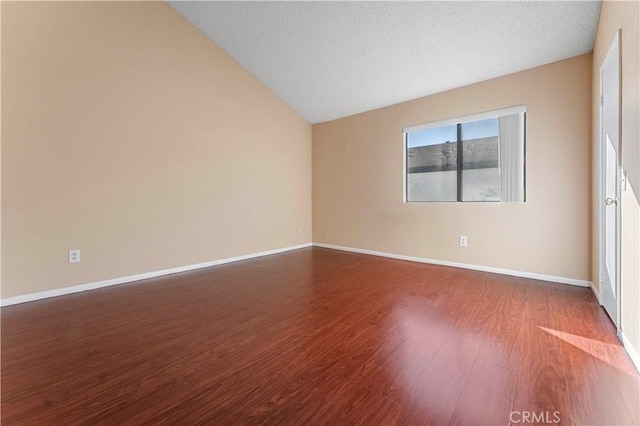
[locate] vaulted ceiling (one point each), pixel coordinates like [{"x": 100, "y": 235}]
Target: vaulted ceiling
[{"x": 333, "y": 59}]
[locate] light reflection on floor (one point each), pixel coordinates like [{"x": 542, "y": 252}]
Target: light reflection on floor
[
  {"x": 612, "y": 354},
  {"x": 421, "y": 328}
]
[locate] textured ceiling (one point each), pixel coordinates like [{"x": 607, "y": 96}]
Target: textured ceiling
[{"x": 332, "y": 59}]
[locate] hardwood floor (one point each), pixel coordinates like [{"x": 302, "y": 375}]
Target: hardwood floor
[{"x": 317, "y": 336}]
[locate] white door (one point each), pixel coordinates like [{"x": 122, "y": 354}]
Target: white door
[{"x": 610, "y": 177}]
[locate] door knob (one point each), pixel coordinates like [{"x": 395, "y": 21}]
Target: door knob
[{"x": 609, "y": 201}]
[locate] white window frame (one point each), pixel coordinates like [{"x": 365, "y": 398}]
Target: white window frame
[{"x": 519, "y": 109}]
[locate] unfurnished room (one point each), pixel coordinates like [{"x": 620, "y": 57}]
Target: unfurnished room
[{"x": 318, "y": 212}]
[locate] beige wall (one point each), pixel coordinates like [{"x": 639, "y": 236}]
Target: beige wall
[
  {"x": 357, "y": 179},
  {"x": 129, "y": 135},
  {"x": 625, "y": 16}
]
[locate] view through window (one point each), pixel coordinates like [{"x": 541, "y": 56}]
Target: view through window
[{"x": 473, "y": 158}]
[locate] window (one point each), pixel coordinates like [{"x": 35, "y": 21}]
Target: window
[{"x": 479, "y": 157}]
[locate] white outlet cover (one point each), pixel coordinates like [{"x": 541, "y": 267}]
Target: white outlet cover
[
  {"x": 74, "y": 256},
  {"x": 463, "y": 241}
]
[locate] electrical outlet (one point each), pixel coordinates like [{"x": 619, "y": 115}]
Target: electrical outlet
[
  {"x": 463, "y": 241},
  {"x": 74, "y": 256}
]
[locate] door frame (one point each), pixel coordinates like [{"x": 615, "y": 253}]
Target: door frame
[{"x": 601, "y": 184}]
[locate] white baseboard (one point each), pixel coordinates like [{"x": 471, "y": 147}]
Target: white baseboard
[
  {"x": 597, "y": 294},
  {"x": 143, "y": 276},
  {"x": 562, "y": 280},
  {"x": 630, "y": 350},
  {"x": 122, "y": 280}
]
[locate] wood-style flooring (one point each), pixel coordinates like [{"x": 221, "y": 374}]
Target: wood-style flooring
[{"x": 318, "y": 336}]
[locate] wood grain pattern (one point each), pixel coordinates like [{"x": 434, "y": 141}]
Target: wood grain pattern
[{"x": 316, "y": 336}]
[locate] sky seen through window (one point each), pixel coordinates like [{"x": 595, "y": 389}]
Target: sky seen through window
[{"x": 437, "y": 135}]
